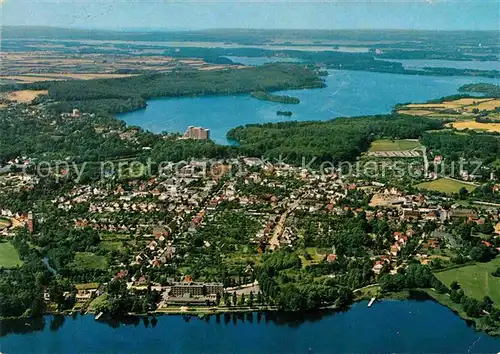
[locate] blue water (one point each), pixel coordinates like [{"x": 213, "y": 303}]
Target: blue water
[
  {"x": 348, "y": 93},
  {"x": 389, "y": 326}
]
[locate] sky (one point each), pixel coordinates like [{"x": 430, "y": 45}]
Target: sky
[{"x": 272, "y": 14}]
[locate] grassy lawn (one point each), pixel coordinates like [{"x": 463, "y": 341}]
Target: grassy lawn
[
  {"x": 9, "y": 257},
  {"x": 446, "y": 185},
  {"x": 369, "y": 292},
  {"x": 98, "y": 302},
  {"x": 4, "y": 223},
  {"x": 116, "y": 237},
  {"x": 316, "y": 256},
  {"x": 394, "y": 145},
  {"x": 88, "y": 260},
  {"x": 476, "y": 280},
  {"x": 112, "y": 246}
]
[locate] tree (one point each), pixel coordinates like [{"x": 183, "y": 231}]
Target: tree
[
  {"x": 481, "y": 253},
  {"x": 456, "y": 295},
  {"x": 496, "y": 272},
  {"x": 260, "y": 298},
  {"x": 56, "y": 294},
  {"x": 463, "y": 192},
  {"x": 487, "y": 228},
  {"x": 487, "y": 303},
  {"x": 250, "y": 299},
  {"x": 235, "y": 298}
]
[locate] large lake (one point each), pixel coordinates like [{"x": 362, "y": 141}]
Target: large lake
[
  {"x": 387, "y": 327},
  {"x": 348, "y": 93}
]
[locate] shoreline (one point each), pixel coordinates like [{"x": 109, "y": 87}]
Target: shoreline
[
  {"x": 442, "y": 299},
  {"x": 366, "y": 295}
]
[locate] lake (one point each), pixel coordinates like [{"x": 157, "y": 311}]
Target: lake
[
  {"x": 389, "y": 326},
  {"x": 348, "y": 93}
]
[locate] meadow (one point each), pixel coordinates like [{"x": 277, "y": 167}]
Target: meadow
[
  {"x": 476, "y": 280},
  {"x": 9, "y": 257},
  {"x": 88, "y": 260},
  {"x": 446, "y": 185},
  {"x": 394, "y": 145}
]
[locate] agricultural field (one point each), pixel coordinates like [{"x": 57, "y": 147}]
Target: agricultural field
[
  {"x": 37, "y": 66},
  {"x": 90, "y": 261},
  {"x": 24, "y": 96},
  {"x": 476, "y": 280},
  {"x": 464, "y": 107},
  {"x": 490, "y": 105},
  {"x": 446, "y": 185},
  {"x": 470, "y": 124},
  {"x": 9, "y": 257},
  {"x": 417, "y": 112},
  {"x": 394, "y": 145}
]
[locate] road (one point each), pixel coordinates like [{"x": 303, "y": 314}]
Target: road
[{"x": 274, "y": 242}]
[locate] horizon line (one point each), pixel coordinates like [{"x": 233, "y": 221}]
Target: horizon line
[{"x": 138, "y": 30}]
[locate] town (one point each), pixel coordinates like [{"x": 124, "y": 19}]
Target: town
[
  {"x": 195, "y": 234},
  {"x": 129, "y": 222}
]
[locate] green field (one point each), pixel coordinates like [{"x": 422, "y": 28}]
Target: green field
[
  {"x": 394, "y": 145},
  {"x": 316, "y": 256},
  {"x": 476, "y": 280},
  {"x": 4, "y": 223},
  {"x": 88, "y": 260},
  {"x": 112, "y": 246},
  {"x": 98, "y": 302},
  {"x": 9, "y": 257},
  {"x": 446, "y": 185}
]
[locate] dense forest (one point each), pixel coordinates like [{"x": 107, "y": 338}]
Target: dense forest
[
  {"x": 51, "y": 137},
  {"x": 468, "y": 146},
  {"x": 125, "y": 94},
  {"x": 262, "y": 95},
  {"x": 488, "y": 90},
  {"x": 342, "y": 139}
]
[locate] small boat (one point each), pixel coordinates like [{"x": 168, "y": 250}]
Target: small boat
[
  {"x": 98, "y": 316},
  {"x": 372, "y": 301}
]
